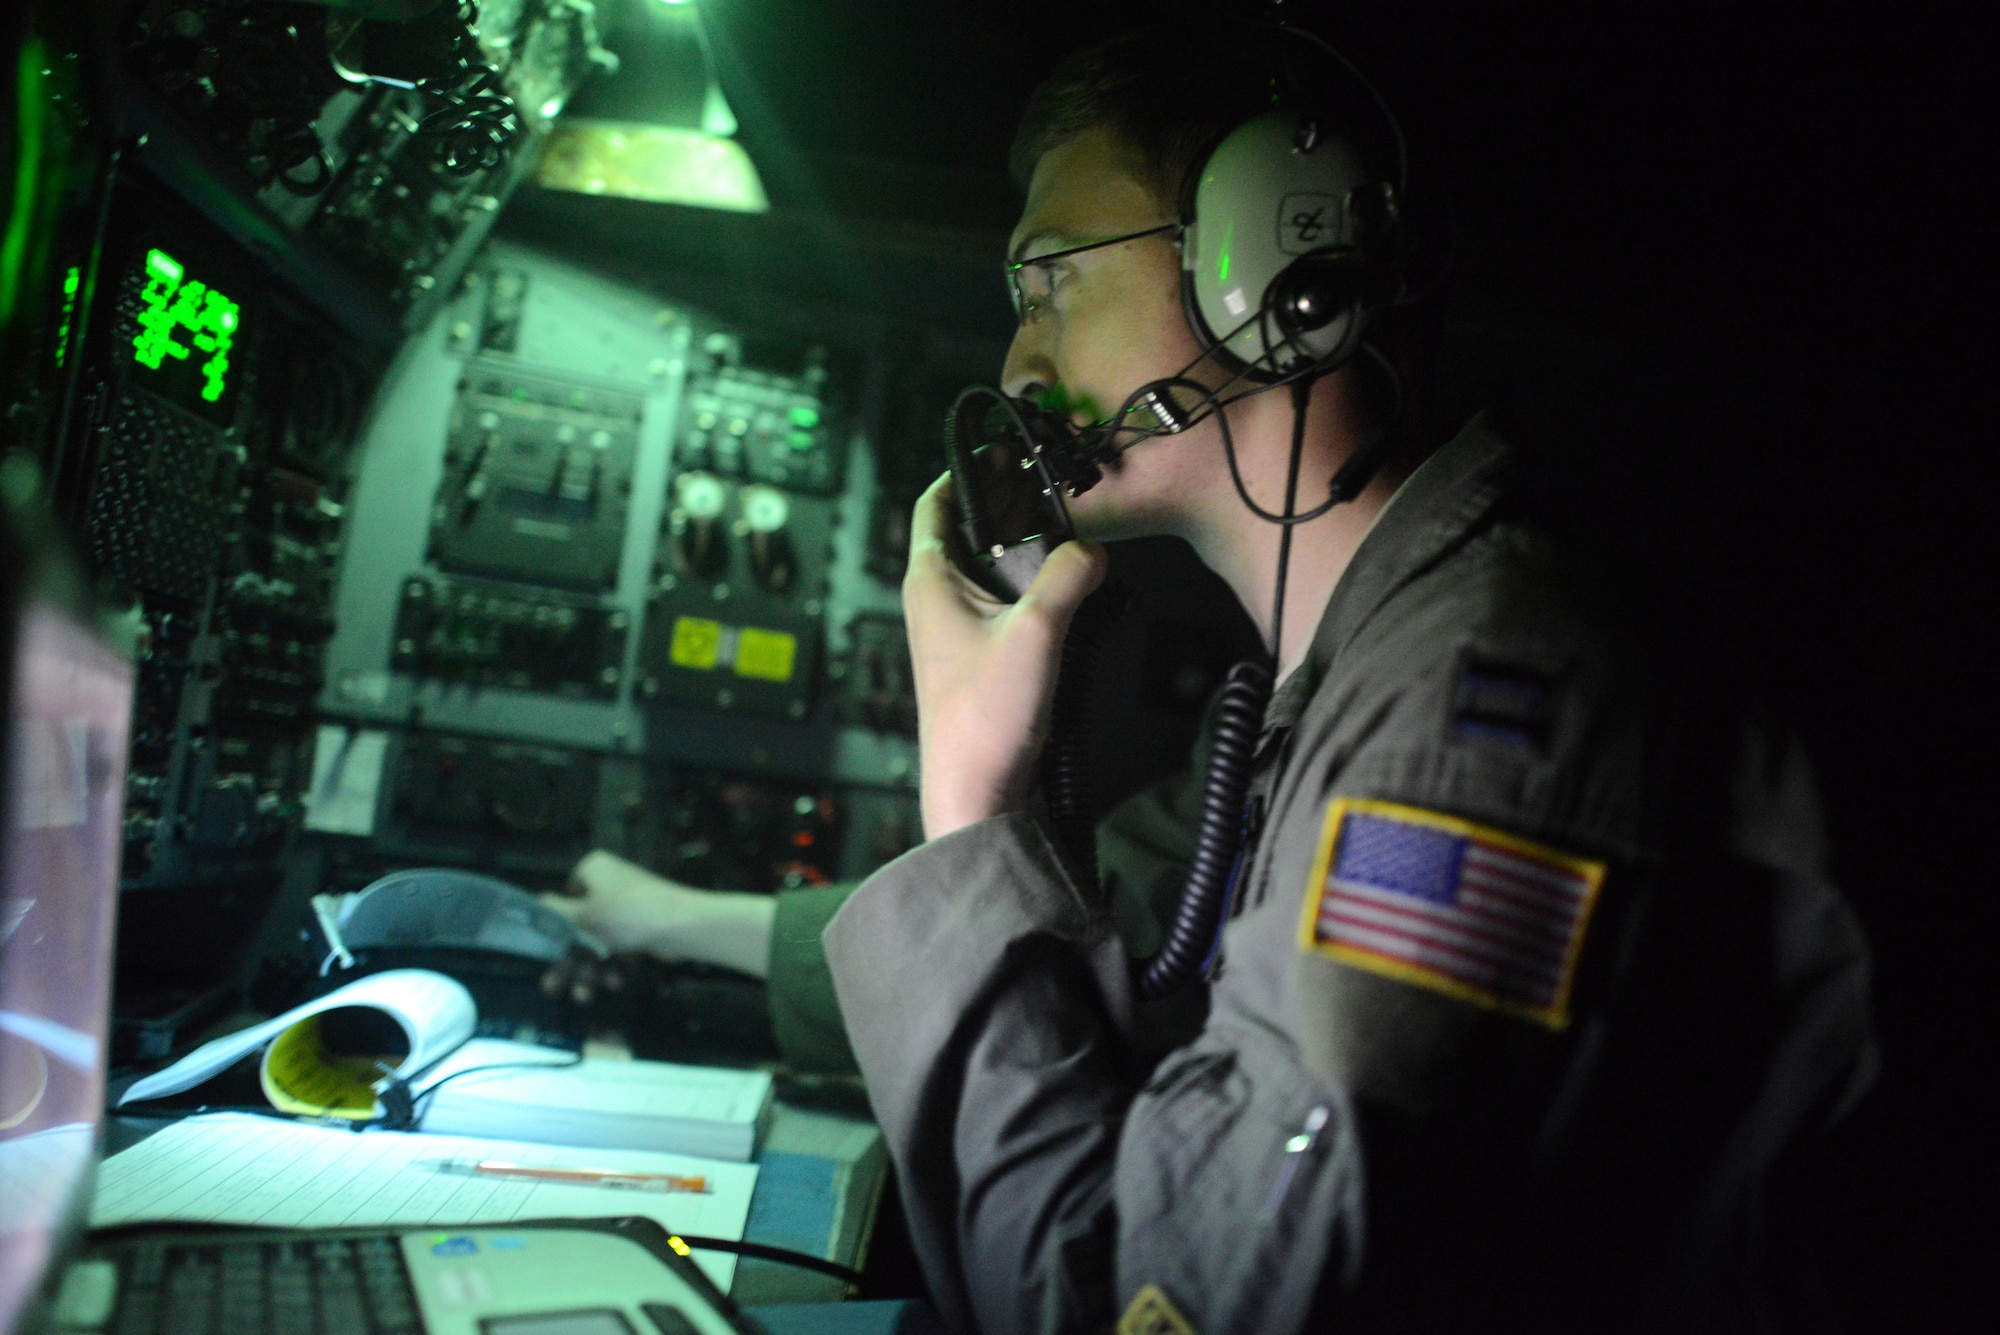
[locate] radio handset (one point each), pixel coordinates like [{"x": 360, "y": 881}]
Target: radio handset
[{"x": 1012, "y": 464}]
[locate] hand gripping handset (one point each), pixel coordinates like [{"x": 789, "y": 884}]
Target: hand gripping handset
[
  {"x": 992, "y": 443},
  {"x": 1012, "y": 464}
]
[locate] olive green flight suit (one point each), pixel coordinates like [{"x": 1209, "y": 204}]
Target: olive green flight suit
[{"x": 1354, "y": 1144}]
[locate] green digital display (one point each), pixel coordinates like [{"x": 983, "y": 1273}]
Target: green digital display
[{"x": 185, "y": 330}]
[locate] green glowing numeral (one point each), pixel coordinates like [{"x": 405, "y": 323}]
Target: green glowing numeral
[{"x": 171, "y": 303}]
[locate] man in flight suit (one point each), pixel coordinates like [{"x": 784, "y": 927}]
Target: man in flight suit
[{"x": 1532, "y": 970}]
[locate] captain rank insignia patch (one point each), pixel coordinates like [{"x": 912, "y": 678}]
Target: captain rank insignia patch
[
  {"x": 1463, "y": 909},
  {"x": 1153, "y": 1313}
]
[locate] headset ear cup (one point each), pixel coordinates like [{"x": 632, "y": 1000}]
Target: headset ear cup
[
  {"x": 1315, "y": 290},
  {"x": 1280, "y": 239}
]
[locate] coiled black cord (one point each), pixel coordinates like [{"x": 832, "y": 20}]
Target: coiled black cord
[
  {"x": 1068, "y": 781},
  {"x": 1239, "y": 717},
  {"x": 476, "y": 129},
  {"x": 478, "y": 126}
]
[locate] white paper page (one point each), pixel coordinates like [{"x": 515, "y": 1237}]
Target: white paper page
[
  {"x": 436, "y": 1014},
  {"x": 235, "y": 1168},
  {"x": 626, "y": 1088},
  {"x": 38, "y": 1171},
  {"x": 706, "y": 1111}
]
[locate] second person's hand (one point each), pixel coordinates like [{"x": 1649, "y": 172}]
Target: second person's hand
[{"x": 631, "y": 909}]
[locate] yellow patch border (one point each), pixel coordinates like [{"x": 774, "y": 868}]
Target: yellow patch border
[
  {"x": 1553, "y": 1016},
  {"x": 1153, "y": 1313}
]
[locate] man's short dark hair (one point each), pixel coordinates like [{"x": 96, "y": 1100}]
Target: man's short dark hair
[
  {"x": 1170, "y": 94},
  {"x": 1148, "y": 89}
]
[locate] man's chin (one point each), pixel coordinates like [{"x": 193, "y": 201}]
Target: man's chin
[{"x": 1109, "y": 523}]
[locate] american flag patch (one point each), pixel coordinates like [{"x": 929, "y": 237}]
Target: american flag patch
[{"x": 1462, "y": 909}]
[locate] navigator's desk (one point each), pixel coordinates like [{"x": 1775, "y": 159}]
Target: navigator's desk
[{"x": 818, "y": 1187}]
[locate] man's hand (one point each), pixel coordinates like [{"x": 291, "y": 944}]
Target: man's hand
[
  {"x": 630, "y": 909},
  {"x": 985, "y": 670}
]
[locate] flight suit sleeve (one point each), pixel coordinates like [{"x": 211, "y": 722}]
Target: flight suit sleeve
[
  {"x": 1619, "y": 853},
  {"x": 805, "y": 1014},
  {"x": 1448, "y": 875},
  {"x": 986, "y": 997},
  {"x": 1143, "y": 847},
  {"x": 1527, "y": 950}
]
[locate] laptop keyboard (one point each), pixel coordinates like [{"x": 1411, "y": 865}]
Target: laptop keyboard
[{"x": 322, "y": 1287}]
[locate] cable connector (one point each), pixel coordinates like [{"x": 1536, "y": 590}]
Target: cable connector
[
  {"x": 399, "y": 1103},
  {"x": 1172, "y": 418}
]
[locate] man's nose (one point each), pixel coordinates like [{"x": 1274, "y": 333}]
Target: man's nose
[{"x": 1028, "y": 370}]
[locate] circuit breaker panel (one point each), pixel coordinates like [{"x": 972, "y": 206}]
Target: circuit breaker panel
[{"x": 538, "y": 480}]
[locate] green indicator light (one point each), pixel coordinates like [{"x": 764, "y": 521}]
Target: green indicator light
[
  {"x": 805, "y": 417},
  {"x": 800, "y": 440}
]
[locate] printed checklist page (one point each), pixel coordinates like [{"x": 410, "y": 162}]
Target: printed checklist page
[{"x": 236, "y": 1168}]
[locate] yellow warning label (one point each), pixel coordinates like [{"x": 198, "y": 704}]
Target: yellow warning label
[
  {"x": 301, "y": 1077},
  {"x": 697, "y": 643},
  {"x": 767, "y": 655}
]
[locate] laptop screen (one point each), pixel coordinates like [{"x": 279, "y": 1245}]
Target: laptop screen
[{"x": 64, "y": 790}]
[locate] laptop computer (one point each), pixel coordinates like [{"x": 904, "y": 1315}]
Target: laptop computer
[{"x": 68, "y": 694}]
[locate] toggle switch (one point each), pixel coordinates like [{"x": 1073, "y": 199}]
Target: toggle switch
[
  {"x": 576, "y": 477},
  {"x": 765, "y": 514},
  {"x": 474, "y": 491},
  {"x": 701, "y": 547}
]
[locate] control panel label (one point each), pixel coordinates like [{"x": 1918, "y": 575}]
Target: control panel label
[{"x": 704, "y": 645}]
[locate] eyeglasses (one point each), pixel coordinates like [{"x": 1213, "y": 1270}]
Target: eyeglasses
[{"x": 1032, "y": 283}]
